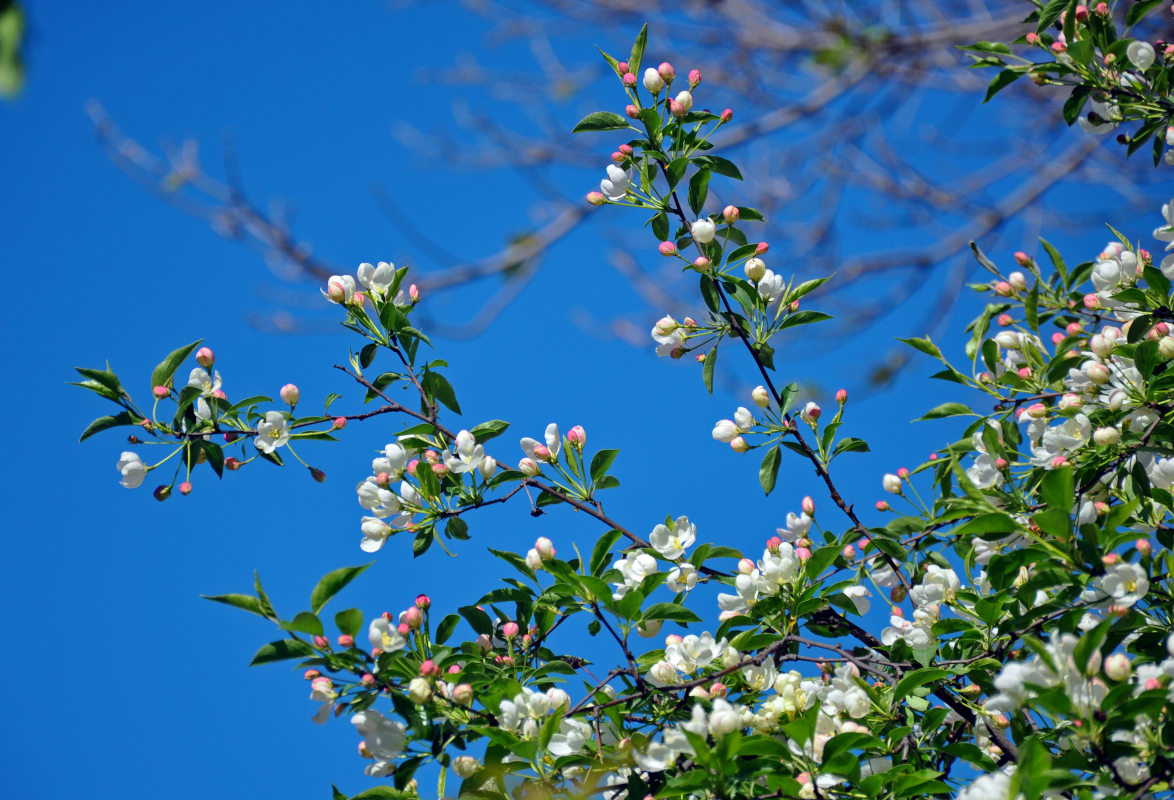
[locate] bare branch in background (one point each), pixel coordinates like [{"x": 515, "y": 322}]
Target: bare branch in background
[{"x": 854, "y": 120}]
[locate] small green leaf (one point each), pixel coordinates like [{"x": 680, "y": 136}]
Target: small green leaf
[
  {"x": 660, "y": 226},
  {"x": 638, "y": 50},
  {"x": 1056, "y": 489},
  {"x": 768, "y": 472},
  {"x": 850, "y": 444},
  {"x": 1001, "y": 82},
  {"x": 707, "y": 369},
  {"x": 948, "y": 410},
  {"x": 489, "y": 430},
  {"x": 446, "y": 627},
  {"x": 600, "y": 463},
  {"x": 601, "y": 121},
  {"x": 167, "y": 367},
  {"x": 919, "y": 677},
  {"x": 1139, "y": 9},
  {"x": 599, "y": 554},
  {"x": 332, "y": 583},
  {"x": 670, "y": 611},
  {"x": 281, "y": 650},
  {"x": 698, "y": 190},
  {"x": 105, "y": 423},
  {"x": 924, "y": 345},
  {"x": 245, "y": 602},
  {"x": 709, "y": 292},
  {"x": 803, "y": 318},
  {"x": 367, "y": 354},
  {"x": 438, "y": 387},
  {"x": 304, "y": 622},
  {"x": 349, "y": 621},
  {"x": 422, "y": 542}
]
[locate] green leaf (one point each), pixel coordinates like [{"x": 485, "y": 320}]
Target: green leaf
[
  {"x": 707, "y": 369},
  {"x": 948, "y": 410},
  {"x": 385, "y": 793},
  {"x": 105, "y": 423},
  {"x": 850, "y": 444},
  {"x": 803, "y": 318},
  {"x": 660, "y": 226},
  {"x": 245, "y": 602},
  {"x": 710, "y": 293},
  {"x": 698, "y": 190},
  {"x": 103, "y": 382},
  {"x": 987, "y": 47},
  {"x": 768, "y": 472},
  {"x": 438, "y": 387},
  {"x": 167, "y": 367},
  {"x": 600, "y": 463},
  {"x": 924, "y": 345},
  {"x": 367, "y": 354},
  {"x": 638, "y": 50},
  {"x": 918, "y": 677},
  {"x": 1139, "y": 10},
  {"x": 332, "y": 583},
  {"x": 729, "y": 169},
  {"x": 456, "y": 528},
  {"x": 1056, "y": 489},
  {"x": 671, "y": 612},
  {"x": 1074, "y": 104},
  {"x": 1050, "y": 13},
  {"x": 215, "y": 456},
  {"x": 281, "y": 650},
  {"x": 675, "y": 171},
  {"x": 601, "y": 121},
  {"x": 349, "y": 621},
  {"x": 304, "y": 622},
  {"x": 1001, "y": 82},
  {"x": 1057, "y": 261},
  {"x": 422, "y": 542},
  {"x": 446, "y": 627},
  {"x": 489, "y": 430},
  {"x": 599, "y": 554},
  {"x": 1090, "y": 643}
]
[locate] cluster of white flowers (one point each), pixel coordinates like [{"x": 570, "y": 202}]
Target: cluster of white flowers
[
  {"x": 384, "y": 741},
  {"x": 778, "y": 567},
  {"x": 937, "y": 586},
  {"x": 730, "y": 431},
  {"x": 524, "y": 713},
  {"x": 377, "y": 279},
  {"x": 376, "y": 496}
]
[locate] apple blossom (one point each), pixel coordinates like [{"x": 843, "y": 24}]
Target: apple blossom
[
  {"x": 133, "y": 470},
  {"x": 703, "y": 231},
  {"x": 272, "y": 432}
]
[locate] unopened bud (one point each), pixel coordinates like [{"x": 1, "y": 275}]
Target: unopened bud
[
  {"x": 204, "y": 357},
  {"x": 321, "y": 642},
  {"x": 760, "y": 396},
  {"x": 463, "y": 694},
  {"x": 423, "y": 602},
  {"x": 161, "y": 493},
  {"x": 545, "y": 548},
  {"x": 1106, "y": 436},
  {"x": 808, "y": 506},
  {"x": 727, "y": 115},
  {"x": 1118, "y": 667},
  {"x": 882, "y": 505},
  {"x": 667, "y": 248},
  {"x": 413, "y": 618},
  {"x": 701, "y": 263},
  {"x": 510, "y": 630},
  {"x": 898, "y": 594},
  {"x": 739, "y": 444},
  {"x": 289, "y": 394},
  {"x": 694, "y": 78},
  {"x": 666, "y": 72},
  {"x": 754, "y": 268},
  {"x": 160, "y": 391},
  {"x": 631, "y": 111},
  {"x": 629, "y": 80},
  {"x": 1002, "y": 289},
  {"x": 746, "y": 566},
  {"x": 731, "y": 214},
  {"x": 596, "y": 198},
  {"x": 346, "y": 640},
  {"x": 185, "y": 488},
  {"x": 317, "y": 474}
]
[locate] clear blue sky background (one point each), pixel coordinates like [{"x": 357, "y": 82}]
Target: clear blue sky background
[{"x": 122, "y": 681}]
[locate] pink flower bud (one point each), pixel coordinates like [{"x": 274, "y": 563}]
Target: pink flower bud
[
  {"x": 629, "y": 80},
  {"x": 1108, "y": 559},
  {"x": 761, "y": 248},
  {"x": 902, "y": 473},
  {"x": 541, "y": 452},
  {"x": 802, "y": 553},
  {"x": 1057, "y": 337},
  {"x": 1144, "y": 548},
  {"x": 882, "y": 505},
  {"x": 1118, "y": 667},
  {"x": 727, "y": 115},
  {"x": 528, "y": 467},
  {"x": 160, "y": 391},
  {"x": 677, "y": 109},
  {"x": 414, "y": 293},
  {"x": 483, "y": 643},
  {"x": 1002, "y": 289},
  {"x": 462, "y": 695},
  {"x": 545, "y": 548},
  {"x": 321, "y": 642},
  {"x": 403, "y": 629},
  {"x": 773, "y": 544},
  {"x": 1091, "y": 300},
  {"x": 232, "y": 463},
  {"x": 1005, "y": 320},
  {"x": 289, "y": 394},
  {"x": 1032, "y": 38},
  {"x": 666, "y": 71},
  {"x": 1000, "y": 463},
  {"x": 1059, "y": 461},
  {"x": 1059, "y": 47},
  {"x": 672, "y": 639},
  {"x": 204, "y": 357},
  {"x": 631, "y": 111},
  {"x": 808, "y": 506},
  {"x": 346, "y": 640},
  {"x": 1102, "y": 9},
  {"x": 510, "y": 630},
  {"x": 626, "y": 149},
  {"x": 739, "y": 444},
  {"x": 412, "y": 466},
  {"x": 849, "y": 552},
  {"x": 694, "y": 77},
  {"x": 731, "y": 214},
  {"x": 359, "y": 299},
  {"x": 1022, "y": 259},
  {"x": 428, "y": 667},
  {"x": 596, "y": 198},
  {"x": 413, "y": 617},
  {"x": 185, "y": 488},
  {"x": 439, "y": 470},
  {"x": 368, "y": 679},
  {"x": 455, "y": 669},
  {"x": 1153, "y": 683},
  {"x": 623, "y": 67},
  {"x": 1081, "y": 14},
  {"x": 311, "y": 674},
  {"x": 423, "y": 602},
  {"x": 667, "y": 248},
  {"x": 718, "y": 689},
  {"x": 1102, "y": 507},
  {"x": 701, "y": 262},
  {"x": 618, "y": 157},
  {"x": 1023, "y": 372}
]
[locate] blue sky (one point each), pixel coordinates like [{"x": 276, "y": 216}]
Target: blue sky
[{"x": 123, "y": 680}]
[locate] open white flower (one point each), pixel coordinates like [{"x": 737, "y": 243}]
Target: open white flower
[
  {"x": 703, "y": 230},
  {"x": 469, "y": 454},
  {"x": 384, "y": 636},
  {"x": 671, "y": 544},
  {"x": 615, "y": 185},
  {"x": 377, "y": 279},
  {"x": 859, "y": 596},
  {"x": 1125, "y": 583},
  {"x": 133, "y": 469},
  {"x": 272, "y": 432}
]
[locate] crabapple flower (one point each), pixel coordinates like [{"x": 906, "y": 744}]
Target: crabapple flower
[
  {"x": 551, "y": 449},
  {"x": 671, "y": 544},
  {"x": 682, "y": 578},
  {"x": 743, "y": 419},
  {"x": 703, "y": 231},
  {"x": 383, "y": 738},
  {"x": 340, "y": 289},
  {"x": 1140, "y": 54},
  {"x": 859, "y": 596},
  {"x": 469, "y": 454},
  {"x": 375, "y": 533},
  {"x": 272, "y": 432},
  {"x": 726, "y": 430},
  {"x": 770, "y": 286},
  {"x": 669, "y": 335},
  {"x": 1125, "y": 583},
  {"x": 199, "y": 378},
  {"x": 615, "y": 185},
  {"x": 810, "y": 413},
  {"x": 133, "y": 470},
  {"x": 376, "y": 279},
  {"x": 891, "y": 483}
]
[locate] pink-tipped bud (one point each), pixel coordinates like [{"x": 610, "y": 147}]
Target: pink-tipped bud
[
  {"x": 727, "y": 115},
  {"x": 629, "y": 80},
  {"x": 1059, "y": 47},
  {"x": 346, "y": 640},
  {"x": 1108, "y": 559},
  {"x": 289, "y": 394},
  {"x": 1022, "y": 259},
  {"x": 1091, "y": 301},
  {"x": 205, "y": 358},
  {"x": 1081, "y": 14},
  {"x": 528, "y": 467},
  {"x": 626, "y": 149},
  {"x": 618, "y": 157},
  {"x": 232, "y": 463},
  {"x": 412, "y": 466},
  {"x": 631, "y": 111},
  {"x": 849, "y": 552},
  {"x": 1144, "y": 548},
  {"x": 902, "y": 473},
  {"x": 731, "y": 214},
  {"x": 541, "y": 452},
  {"x": 338, "y": 424},
  {"x": 321, "y": 642},
  {"x": 1153, "y": 683},
  {"x": 739, "y": 444},
  {"x": 802, "y": 553},
  {"x": 368, "y": 679},
  {"x": 773, "y": 544},
  {"x": 311, "y": 674},
  {"x": 185, "y": 488},
  {"x": 483, "y": 643},
  {"x": 403, "y": 629},
  {"x": 808, "y": 506},
  {"x": 882, "y": 505},
  {"x": 455, "y": 669},
  {"x": 1059, "y": 461},
  {"x": 1073, "y": 328},
  {"x": 1057, "y": 337},
  {"x": 1002, "y": 289},
  {"x": 694, "y": 77},
  {"x": 527, "y": 640},
  {"x": 1102, "y": 9},
  {"x": 1000, "y": 463},
  {"x": 413, "y": 618},
  {"x": 1032, "y": 38},
  {"x": 439, "y": 470},
  {"x": 1023, "y": 372},
  {"x": 622, "y": 68},
  {"x": 895, "y": 611},
  {"x": 423, "y": 602},
  {"x": 1037, "y": 411},
  {"x": 677, "y": 109},
  {"x": 545, "y": 548},
  {"x": 666, "y": 71},
  {"x": 359, "y": 299},
  {"x": 462, "y": 694},
  {"x": 672, "y": 639},
  {"x": 746, "y": 566},
  {"x": 414, "y": 293},
  {"x": 428, "y": 667},
  {"x": 596, "y": 198},
  {"x": 933, "y": 456},
  {"x": 718, "y": 689},
  {"x": 1005, "y": 320},
  {"x": 761, "y": 248},
  {"x": 701, "y": 262},
  {"x": 510, "y": 630},
  {"x": 432, "y": 456},
  {"x": 160, "y": 391},
  {"x": 1101, "y": 507}
]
